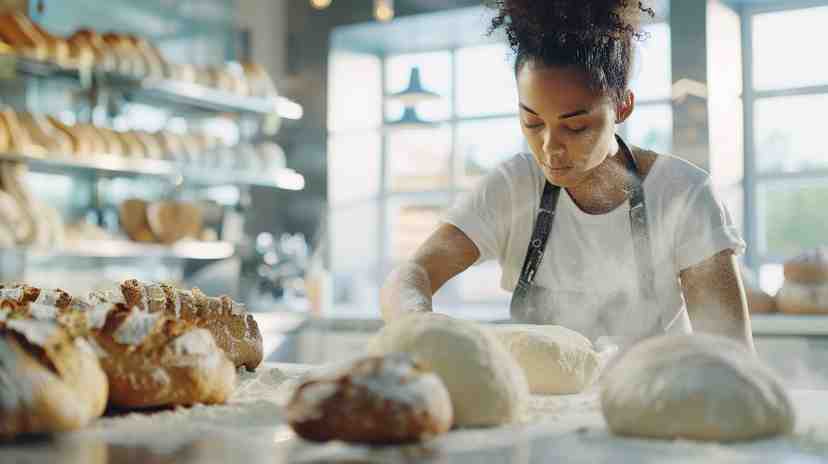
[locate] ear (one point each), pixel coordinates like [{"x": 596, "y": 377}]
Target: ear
[{"x": 625, "y": 107}]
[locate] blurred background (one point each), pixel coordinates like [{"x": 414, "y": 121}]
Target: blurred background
[{"x": 290, "y": 153}]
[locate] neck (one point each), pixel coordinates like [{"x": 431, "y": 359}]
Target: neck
[{"x": 605, "y": 188}]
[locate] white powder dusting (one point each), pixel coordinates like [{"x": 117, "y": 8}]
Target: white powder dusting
[
  {"x": 136, "y": 327},
  {"x": 160, "y": 376},
  {"x": 107, "y": 296},
  {"x": 195, "y": 342},
  {"x": 36, "y": 332},
  {"x": 43, "y": 312},
  {"x": 15, "y": 294},
  {"x": 97, "y": 314},
  {"x": 176, "y": 304},
  {"x": 238, "y": 309},
  {"x": 84, "y": 345},
  {"x": 48, "y": 297}
]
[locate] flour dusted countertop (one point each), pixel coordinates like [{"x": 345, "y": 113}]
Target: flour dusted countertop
[{"x": 250, "y": 430}]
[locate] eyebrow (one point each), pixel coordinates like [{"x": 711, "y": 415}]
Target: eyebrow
[{"x": 563, "y": 116}]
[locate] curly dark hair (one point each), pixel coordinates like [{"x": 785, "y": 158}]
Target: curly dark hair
[{"x": 594, "y": 36}]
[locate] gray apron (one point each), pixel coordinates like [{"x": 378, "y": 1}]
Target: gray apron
[{"x": 530, "y": 303}]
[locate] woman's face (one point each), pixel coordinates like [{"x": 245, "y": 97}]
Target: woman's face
[{"x": 570, "y": 128}]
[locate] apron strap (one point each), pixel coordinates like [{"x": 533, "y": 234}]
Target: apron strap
[{"x": 546, "y": 217}]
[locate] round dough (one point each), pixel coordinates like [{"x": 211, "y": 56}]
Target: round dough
[
  {"x": 798, "y": 298},
  {"x": 697, "y": 387},
  {"x": 555, "y": 360},
  {"x": 486, "y": 385}
]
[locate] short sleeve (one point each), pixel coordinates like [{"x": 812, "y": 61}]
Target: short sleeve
[
  {"x": 484, "y": 214},
  {"x": 705, "y": 228}
]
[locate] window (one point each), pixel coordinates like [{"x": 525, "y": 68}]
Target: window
[
  {"x": 786, "y": 189},
  {"x": 651, "y": 124}
]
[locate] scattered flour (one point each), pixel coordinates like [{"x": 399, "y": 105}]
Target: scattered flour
[{"x": 136, "y": 327}]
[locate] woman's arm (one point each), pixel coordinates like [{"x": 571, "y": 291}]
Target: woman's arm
[
  {"x": 716, "y": 299},
  {"x": 446, "y": 253}
]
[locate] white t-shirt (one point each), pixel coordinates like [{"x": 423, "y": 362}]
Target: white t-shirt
[{"x": 587, "y": 280}]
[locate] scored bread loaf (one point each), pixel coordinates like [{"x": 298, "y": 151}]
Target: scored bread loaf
[
  {"x": 51, "y": 381},
  {"x": 234, "y": 329},
  {"x": 376, "y": 400},
  {"x": 104, "y": 57},
  {"x": 152, "y": 360},
  {"x": 149, "y": 359}
]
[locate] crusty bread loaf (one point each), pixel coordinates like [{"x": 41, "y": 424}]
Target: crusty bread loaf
[
  {"x": 183, "y": 72},
  {"x": 234, "y": 329},
  {"x": 129, "y": 59},
  {"x": 377, "y": 400},
  {"x": 172, "y": 221},
  {"x": 259, "y": 82},
  {"x": 43, "y": 134},
  {"x": 52, "y": 381},
  {"x": 152, "y": 360},
  {"x": 20, "y": 142},
  {"x": 133, "y": 217},
  {"x": 149, "y": 359},
  {"x": 153, "y": 147},
  {"x": 104, "y": 57},
  {"x": 18, "y": 31},
  {"x": 111, "y": 142},
  {"x": 133, "y": 148},
  {"x": 78, "y": 143},
  {"x": 57, "y": 47},
  {"x": 809, "y": 267}
]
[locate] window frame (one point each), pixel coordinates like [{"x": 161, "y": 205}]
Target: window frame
[{"x": 754, "y": 179}]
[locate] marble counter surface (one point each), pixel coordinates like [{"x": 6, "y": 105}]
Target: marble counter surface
[{"x": 249, "y": 430}]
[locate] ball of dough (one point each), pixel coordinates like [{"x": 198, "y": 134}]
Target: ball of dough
[
  {"x": 555, "y": 360},
  {"x": 697, "y": 387},
  {"x": 485, "y": 383}
]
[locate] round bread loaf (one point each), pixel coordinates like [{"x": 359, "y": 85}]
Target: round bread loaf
[
  {"x": 810, "y": 267},
  {"x": 799, "y": 298},
  {"x": 133, "y": 217},
  {"x": 376, "y": 400},
  {"x": 49, "y": 380}
]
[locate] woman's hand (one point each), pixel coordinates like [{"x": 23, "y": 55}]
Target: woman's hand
[
  {"x": 715, "y": 296},
  {"x": 409, "y": 288}
]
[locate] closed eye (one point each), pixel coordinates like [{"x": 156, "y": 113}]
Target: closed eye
[{"x": 533, "y": 126}]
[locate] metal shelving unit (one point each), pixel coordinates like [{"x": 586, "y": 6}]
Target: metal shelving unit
[
  {"x": 184, "y": 97},
  {"x": 117, "y": 166}
]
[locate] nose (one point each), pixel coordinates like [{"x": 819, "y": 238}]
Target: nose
[{"x": 551, "y": 147}]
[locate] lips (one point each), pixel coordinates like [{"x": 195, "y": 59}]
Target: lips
[{"x": 556, "y": 168}]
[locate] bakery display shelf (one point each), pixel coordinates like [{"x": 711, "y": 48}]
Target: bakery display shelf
[
  {"x": 189, "y": 250},
  {"x": 194, "y": 96},
  {"x": 29, "y": 67},
  {"x": 186, "y": 94},
  {"x": 101, "y": 165},
  {"x": 117, "y": 166},
  {"x": 790, "y": 324}
]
